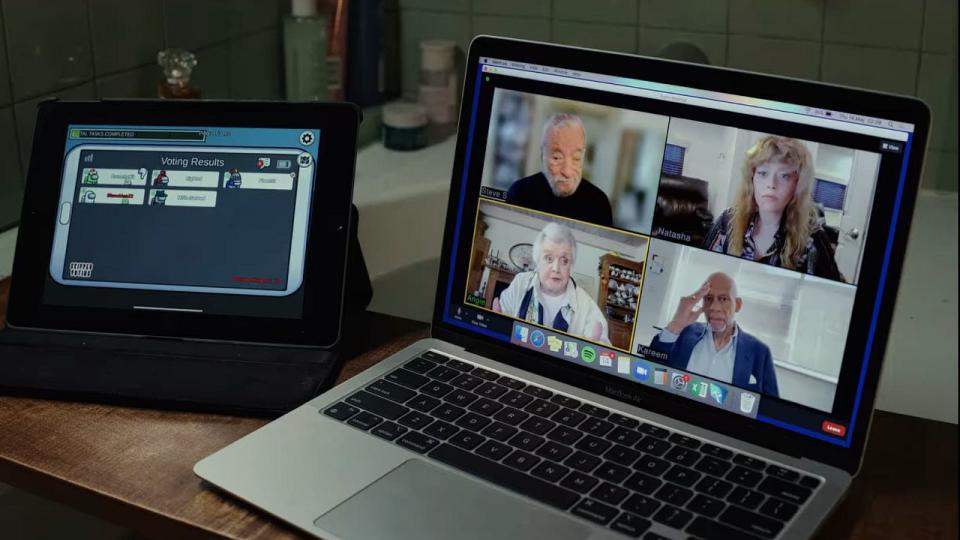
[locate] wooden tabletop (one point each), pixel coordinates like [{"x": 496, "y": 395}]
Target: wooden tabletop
[{"x": 134, "y": 466}]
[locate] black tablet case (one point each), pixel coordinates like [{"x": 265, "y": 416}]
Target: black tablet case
[{"x": 180, "y": 374}]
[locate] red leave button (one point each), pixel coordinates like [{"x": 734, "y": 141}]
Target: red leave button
[{"x": 833, "y": 428}]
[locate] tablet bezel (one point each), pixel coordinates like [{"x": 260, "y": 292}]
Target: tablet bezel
[{"x": 327, "y": 233}]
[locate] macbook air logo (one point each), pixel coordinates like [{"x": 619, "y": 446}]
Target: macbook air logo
[
  {"x": 81, "y": 269},
  {"x": 618, "y": 393}
]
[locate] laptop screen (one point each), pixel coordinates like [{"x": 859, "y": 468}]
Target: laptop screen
[{"x": 704, "y": 244}]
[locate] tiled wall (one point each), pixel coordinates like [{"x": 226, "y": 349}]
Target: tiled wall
[
  {"x": 108, "y": 48},
  {"x": 903, "y": 46}
]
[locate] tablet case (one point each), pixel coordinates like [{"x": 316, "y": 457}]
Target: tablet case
[{"x": 179, "y": 374}]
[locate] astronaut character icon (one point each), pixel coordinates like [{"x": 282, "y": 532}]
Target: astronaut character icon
[
  {"x": 88, "y": 196},
  {"x": 159, "y": 198},
  {"x": 161, "y": 179},
  {"x": 91, "y": 178},
  {"x": 234, "y": 180}
]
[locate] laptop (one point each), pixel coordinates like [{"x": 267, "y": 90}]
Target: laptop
[{"x": 663, "y": 302}]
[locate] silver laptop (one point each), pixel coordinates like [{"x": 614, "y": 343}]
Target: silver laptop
[{"x": 663, "y": 302}]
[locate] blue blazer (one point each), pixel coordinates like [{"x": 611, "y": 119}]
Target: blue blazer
[{"x": 752, "y": 358}]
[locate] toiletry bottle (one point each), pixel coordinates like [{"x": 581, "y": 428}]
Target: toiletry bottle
[
  {"x": 177, "y": 65},
  {"x": 305, "y": 52}
]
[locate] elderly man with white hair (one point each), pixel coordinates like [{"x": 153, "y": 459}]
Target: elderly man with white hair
[
  {"x": 548, "y": 296},
  {"x": 560, "y": 187}
]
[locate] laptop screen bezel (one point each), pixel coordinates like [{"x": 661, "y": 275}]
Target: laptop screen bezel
[{"x": 724, "y": 80}]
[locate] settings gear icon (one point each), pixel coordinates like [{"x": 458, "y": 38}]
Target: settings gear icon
[{"x": 306, "y": 138}]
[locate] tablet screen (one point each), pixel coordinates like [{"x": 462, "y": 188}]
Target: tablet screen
[{"x": 186, "y": 218}]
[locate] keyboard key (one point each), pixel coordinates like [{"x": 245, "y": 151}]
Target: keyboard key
[
  {"x": 595, "y": 426},
  {"x": 582, "y": 462},
  {"x": 377, "y": 405},
  {"x": 521, "y": 460},
  {"x": 630, "y": 524},
  {"x": 549, "y": 471},
  {"x": 554, "y": 451},
  {"x": 712, "y": 465},
  {"x": 656, "y": 431},
  {"x": 578, "y": 482},
  {"x": 751, "y": 522},
  {"x": 484, "y": 406},
  {"x": 744, "y": 476},
  {"x": 716, "y": 451},
  {"x": 460, "y": 365},
  {"x": 407, "y": 378},
  {"x": 672, "y": 516},
  {"x": 622, "y": 455},
  {"x": 493, "y": 450},
  {"x": 653, "y": 446},
  {"x": 448, "y": 412},
  {"x": 778, "y": 509},
  {"x": 624, "y": 436},
  {"x": 685, "y": 441},
  {"x": 784, "y": 474},
  {"x": 499, "y": 431},
  {"x": 644, "y": 483},
  {"x": 672, "y": 494},
  {"x": 511, "y": 383},
  {"x": 393, "y": 392},
  {"x": 501, "y": 475},
  {"x": 460, "y": 398},
  {"x": 526, "y": 441},
  {"x": 750, "y": 462},
  {"x": 713, "y": 486},
  {"x": 466, "y": 382},
  {"x": 679, "y": 474},
  {"x": 389, "y": 431},
  {"x": 473, "y": 421},
  {"x": 416, "y": 420},
  {"x": 537, "y": 425},
  {"x": 711, "y": 530},
  {"x": 467, "y": 440},
  {"x": 611, "y": 472},
  {"x": 654, "y": 536},
  {"x": 594, "y": 411},
  {"x": 652, "y": 465},
  {"x": 565, "y": 435},
  {"x": 436, "y": 389},
  {"x": 423, "y": 403},
  {"x": 568, "y": 417},
  {"x": 538, "y": 392},
  {"x": 542, "y": 408},
  {"x": 641, "y": 505},
  {"x": 810, "y": 482},
  {"x": 785, "y": 490},
  {"x": 565, "y": 401},
  {"x": 511, "y": 416},
  {"x": 484, "y": 374},
  {"x": 594, "y": 511},
  {"x": 418, "y": 442},
  {"x": 341, "y": 411},
  {"x": 420, "y": 365},
  {"x": 593, "y": 445},
  {"x": 435, "y": 357},
  {"x": 683, "y": 456},
  {"x": 491, "y": 390},
  {"x": 624, "y": 421},
  {"x": 441, "y": 430},
  {"x": 745, "y": 497},
  {"x": 442, "y": 373},
  {"x": 706, "y": 506},
  {"x": 609, "y": 493},
  {"x": 516, "y": 399}
]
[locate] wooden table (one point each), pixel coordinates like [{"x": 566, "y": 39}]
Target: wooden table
[{"x": 134, "y": 466}]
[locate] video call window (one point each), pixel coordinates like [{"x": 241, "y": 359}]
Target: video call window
[
  {"x": 573, "y": 277},
  {"x": 790, "y": 203},
  {"x": 580, "y": 160}
]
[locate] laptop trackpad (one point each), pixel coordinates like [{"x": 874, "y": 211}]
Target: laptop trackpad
[{"x": 418, "y": 500}]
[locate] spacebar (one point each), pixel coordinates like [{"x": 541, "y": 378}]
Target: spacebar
[{"x": 505, "y": 477}]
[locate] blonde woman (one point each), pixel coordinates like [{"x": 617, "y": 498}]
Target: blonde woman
[{"x": 773, "y": 219}]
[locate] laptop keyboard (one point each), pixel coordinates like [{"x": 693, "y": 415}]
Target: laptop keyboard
[{"x": 594, "y": 463}]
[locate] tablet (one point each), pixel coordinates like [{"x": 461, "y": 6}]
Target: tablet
[{"x": 202, "y": 220}]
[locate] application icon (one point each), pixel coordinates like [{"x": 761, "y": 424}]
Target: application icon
[
  {"x": 263, "y": 162},
  {"x": 520, "y": 333},
  {"x": 642, "y": 371},
  {"x": 537, "y": 338},
  {"x": 698, "y": 388},
  {"x": 746, "y": 402},
  {"x": 659, "y": 376},
  {"x": 588, "y": 354},
  {"x": 623, "y": 365},
  {"x": 606, "y": 358},
  {"x": 679, "y": 381},
  {"x": 304, "y": 160},
  {"x": 718, "y": 393},
  {"x": 306, "y": 138},
  {"x": 570, "y": 349},
  {"x": 554, "y": 343}
]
